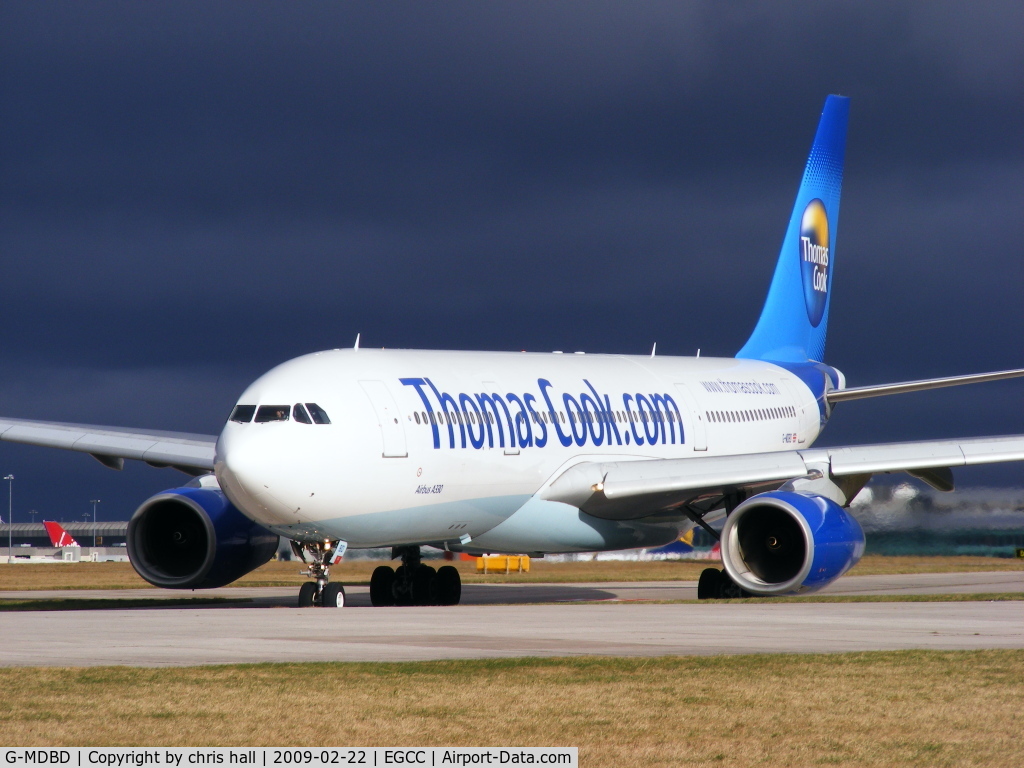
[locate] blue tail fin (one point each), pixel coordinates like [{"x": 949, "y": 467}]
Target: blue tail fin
[{"x": 795, "y": 316}]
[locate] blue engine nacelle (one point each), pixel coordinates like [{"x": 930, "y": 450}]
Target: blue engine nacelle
[
  {"x": 194, "y": 538},
  {"x": 788, "y": 543}
]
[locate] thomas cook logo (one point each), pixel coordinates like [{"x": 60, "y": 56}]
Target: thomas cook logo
[{"x": 814, "y": 259}]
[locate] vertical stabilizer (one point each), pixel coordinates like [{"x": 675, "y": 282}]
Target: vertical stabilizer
[
  {"x": 794, "y": 320},
  {"x": 58, "y": 536}
]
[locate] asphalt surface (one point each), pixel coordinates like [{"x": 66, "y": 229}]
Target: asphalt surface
[{"x": 511, "y": 620}]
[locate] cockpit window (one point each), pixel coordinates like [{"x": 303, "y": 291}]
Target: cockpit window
[
  {"x": 300, "y": 415},
  {"x": 319, "y": 414},
  {"x": 243, "y": 413},
  {"x": 272, "y": 413}
]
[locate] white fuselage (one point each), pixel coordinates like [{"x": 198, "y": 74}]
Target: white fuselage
[{"x": 450, "y": 448}]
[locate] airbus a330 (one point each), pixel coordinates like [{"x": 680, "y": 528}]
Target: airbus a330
[{"x": 539, "y": 453}]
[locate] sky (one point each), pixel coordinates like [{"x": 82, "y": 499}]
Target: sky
[{"x": 191, "y": 193}]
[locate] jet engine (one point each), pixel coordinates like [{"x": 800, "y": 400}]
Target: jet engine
[
  {"x": 194, "y": 538},
  {"x": 787, "y": 543}
]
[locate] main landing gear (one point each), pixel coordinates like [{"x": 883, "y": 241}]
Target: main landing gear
[
  {"x": 716, "y": 585},
  {"x": 321, "y": 593},
  {"x": 414, "y": 583}
]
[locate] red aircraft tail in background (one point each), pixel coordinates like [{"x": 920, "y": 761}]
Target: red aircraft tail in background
[{"x": 58, "y": 536}]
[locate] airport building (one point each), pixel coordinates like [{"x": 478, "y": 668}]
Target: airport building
[{"x": 29, "y": 542}]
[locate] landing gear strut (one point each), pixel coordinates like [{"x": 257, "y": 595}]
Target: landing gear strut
[
  {"x": 414, "y": 583},
  {"x": 715, "y": 584},
  {"x": 320, "y": 592}
]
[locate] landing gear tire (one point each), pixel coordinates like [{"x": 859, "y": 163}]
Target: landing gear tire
[
  {"x": 333, "y": 596},
  {"x": 422, "y": 578},
  {"x": 402, "y": 588},
  {"x": 729, "y": 589},
  {"x": 414, "y": 582},
  {"x": 446, "y": 587},
  {"x": 382, "y": 582},
  {"x": 707, "y": 585},
  {"x": 307, "y": 594}
]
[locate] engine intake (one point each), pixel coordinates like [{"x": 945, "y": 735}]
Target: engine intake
[
  {"x": 784, "y": 542},
  {"x": 194, "y": 538}
]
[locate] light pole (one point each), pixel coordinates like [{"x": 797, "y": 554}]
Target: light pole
[
  {"x": 10, "y": 516},
  {"x": 94, "y": 502}
]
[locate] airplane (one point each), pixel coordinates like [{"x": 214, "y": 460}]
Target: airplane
[
  {"x": 536, "y": 454},
  {"x": 58, "y": 536}
]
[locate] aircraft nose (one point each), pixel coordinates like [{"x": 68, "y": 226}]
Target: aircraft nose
[{"x": 246, "y": 465}]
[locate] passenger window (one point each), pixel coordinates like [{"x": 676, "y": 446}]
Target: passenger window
[
  {"x": 243, "y": 413},
  {"x": 300, "y": 415},
  {"x": 416, "y": 416},
  {"x": 319, "y": 414},
  {"x": 268, "y": 413}
]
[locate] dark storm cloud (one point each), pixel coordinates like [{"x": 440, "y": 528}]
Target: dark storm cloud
[{"x": 191, "y": 193}]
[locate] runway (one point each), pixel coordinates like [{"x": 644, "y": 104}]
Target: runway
[{"x": 497, "y": 621}]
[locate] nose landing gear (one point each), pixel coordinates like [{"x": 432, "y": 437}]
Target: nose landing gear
[
  {"x": 319, "y": 556},
  {"x": 414, "y": 583}
]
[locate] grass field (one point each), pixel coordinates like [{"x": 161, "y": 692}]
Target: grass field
[
  {"x": 865, "y": 709},
  {"x": 121, "y": 575}
]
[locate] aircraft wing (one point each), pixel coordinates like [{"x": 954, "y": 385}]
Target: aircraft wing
[
  {"x": 192, "y": 454},
  {"x": 628, "y": 490}
]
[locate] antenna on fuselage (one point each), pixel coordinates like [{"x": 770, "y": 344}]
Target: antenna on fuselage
[
  {"x": 654, "y": 349},
  {"x": 356, "y": 345},
  {"x": 698, "y": 351}
]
